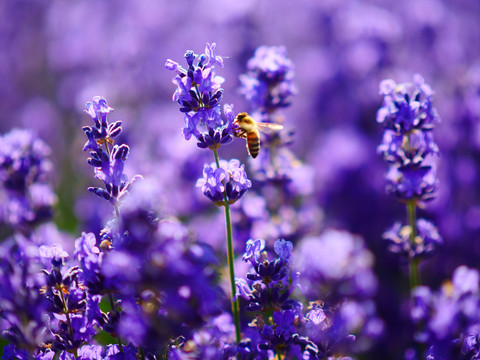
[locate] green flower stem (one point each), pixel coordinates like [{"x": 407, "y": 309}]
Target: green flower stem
[
  {"x": 110, "y": 296},
  {"x": 414, "y": 269},
  {"x": 199, "y": 96},
  {"x": 141, "y": 352},
  {"x": 414, "y": 263},
  {"x": 69, "y": 323},
  {"x": 230, "y": 258},
  {"x": 412, "y": 221}
]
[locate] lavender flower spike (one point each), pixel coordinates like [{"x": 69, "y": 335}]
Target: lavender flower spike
[
  {"x": 102, "y": 131},
  {"x": 268, "y": 83},
  {"x": 427, "y": 239},
  {"x": 199, "y": 93},
  {"x": 107, "y": 161},
  {"x": 409, "y": 117},
  {"x": 26, "y": 198},
  {"x": 229, "y": 180},
  {"x": 407, "y": 106}
]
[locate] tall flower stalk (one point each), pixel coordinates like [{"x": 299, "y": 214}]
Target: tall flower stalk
[
  {"x": 108, "y": 160},
  {"x": 199, "y": 94},
  {"x": 409, "y": 117},
  {"x": 284, "y": 182},
  {"x": 230, "y": 258}
]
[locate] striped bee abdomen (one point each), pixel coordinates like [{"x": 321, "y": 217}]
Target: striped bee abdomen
[{"x": 253, "y": 143}]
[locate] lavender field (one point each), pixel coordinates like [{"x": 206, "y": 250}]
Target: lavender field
[{"x": 240, "y": 180}]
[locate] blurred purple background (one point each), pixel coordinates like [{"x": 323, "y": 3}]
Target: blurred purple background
[{"x": 58, "y": 54}]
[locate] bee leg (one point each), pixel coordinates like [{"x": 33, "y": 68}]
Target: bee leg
[{"x": 241, "y": 134}]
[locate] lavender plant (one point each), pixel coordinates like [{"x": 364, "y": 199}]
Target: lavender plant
[
  {"x": 199, "y": 94},
  {"x": 22, "y": 306},
  {"x": 409, "y": 117},
  {"x": 26, "y": 197},
  {"x": 267, "y": 291},
  {"x": 268, "y": 83},
  {"x": 223, "y": 183},
  {"x": 448, "y": 318},
  {"x": 282, "y": 190},
  {"x": 283, "y": 328},
  {"x": 283, "y": 181},
  {"x": 160, "y": 283},
  {"x": 108, "y": 161},
  {"x": 27, "y": 202}
]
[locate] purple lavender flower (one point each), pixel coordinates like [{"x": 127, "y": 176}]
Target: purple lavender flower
[
  {"x": 268, "y": 85},
  {"x": 73, "y": 312},
  {"x": 411, "y": 182},
  {"x": 52, "y": 255},
  {"x": 228, "y": 182},
  {"x": 335, "y": 260},
  {"x": 10, "y": 352},
  {"x": 199, "y": 94},
  {"x": 316, "y": 316},
  {"x": 113, "y": 352},
  {"x": 90, "y": 259},
  {"x": 102, "y": 131},
  {"x": 214, "y": 137},
  {"x": 333, "y": 329},
  {"x": 283, "y": 179},
  {"x": 212, "y": 182},
  {"x": 283, "y": 249},
  {"x": 108, "y": 163},
  {"x": 85, "y": 352},
  {"x": 337, "y": 268},
  {"x": 25, "y": 196},
  {"x": 426, "y": 242},
  {"x": 23, "y": 308},
  {"x": 208, "y": 342},
  {"x": 323, "y": 331},
  {"x": 450, "y": 316},
  {"x": 98, "y": 110},
  {"x": 23, "y": 159},
  {"x": 407, "y": 106},
  {"x": 270, "y": 285},
  {"x": 283, "y": 337},
  {"x": 253, "y": 251},
  {"x": 394, "y": 149},
  {"x": 408, "y": 117},
  {"x": 249, "y": 347},
  {"x": 268, "y": 291}
]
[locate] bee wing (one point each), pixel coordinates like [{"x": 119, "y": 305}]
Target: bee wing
[{"x": 269, "y": 127}]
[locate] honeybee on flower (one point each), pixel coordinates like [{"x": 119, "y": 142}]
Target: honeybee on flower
[{"x": 249, "y": 129}]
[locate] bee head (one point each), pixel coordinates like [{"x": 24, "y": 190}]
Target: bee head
[{"x": 241, "y": 117}]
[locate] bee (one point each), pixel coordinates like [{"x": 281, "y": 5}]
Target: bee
[{"x": 249, "y": 129}]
